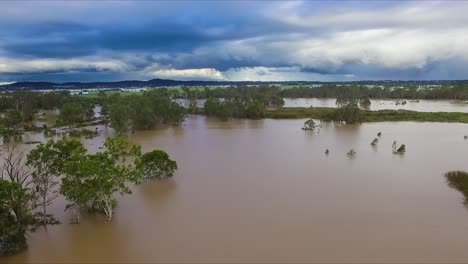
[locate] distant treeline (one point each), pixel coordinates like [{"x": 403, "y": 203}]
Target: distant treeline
[
  {"x": 175, "y": 83},
  {"x": 457, "y": 92}
]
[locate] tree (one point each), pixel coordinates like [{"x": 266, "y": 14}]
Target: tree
[
  {"x": 350, "y": 114},
  {"x": 91, "y": 180},
  {"x": 119, "y": 119},
  {"x": 14, "y": 166},
  {"x": 156, "y": 164},
  {"x": 193, "y": 106},
  {"x": 255, "y": 110},
  {"x": 365, "y": 102},
  {"x": 309, "y": 125},
  {"x": 71, "y": 114},
  {"x": 212, "y": 106},
  {"x": 458, "y": 180},
  {"x": 47, "y": 162},
  {"x": 12, "y": 120},
  {"x": 15, "y": 217},
  {"x": 140, "y": 114}
]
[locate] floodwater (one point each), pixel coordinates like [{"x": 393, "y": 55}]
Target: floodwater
[
  {"x": 264, "y": 191},
  {"x": 376, "y": 104},
  {"x": 381, "y": 104}
]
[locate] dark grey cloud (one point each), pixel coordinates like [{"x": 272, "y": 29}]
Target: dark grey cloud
[{"x": 85, "y": 40}]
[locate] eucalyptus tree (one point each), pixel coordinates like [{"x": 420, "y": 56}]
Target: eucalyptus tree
[
  {"x": 47, "y": 162},
  {"x": 156, "y": 164},
  {"x": 15, "y": 217},
  {"x": 91, "y": 180}
]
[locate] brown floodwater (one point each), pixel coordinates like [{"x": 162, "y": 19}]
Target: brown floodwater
[{"x": 264, "y": 191}]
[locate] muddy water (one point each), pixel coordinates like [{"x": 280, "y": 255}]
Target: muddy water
[{"x": 264, "y": 191}]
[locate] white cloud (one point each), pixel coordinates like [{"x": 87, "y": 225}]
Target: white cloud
[{"x": 189, "y": 74}]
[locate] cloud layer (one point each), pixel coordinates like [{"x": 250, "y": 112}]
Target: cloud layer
[{"x": 233, "y": 40}]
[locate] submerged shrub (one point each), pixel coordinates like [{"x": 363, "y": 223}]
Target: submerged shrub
[
  {"x": 458, "y": 180},
  {"x": 309, "y": 125},
  {"x": 401, "y": 149},
  {"x": 351, "y": 153}
]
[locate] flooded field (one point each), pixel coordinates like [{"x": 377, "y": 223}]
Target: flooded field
[
  {"x": 376, "y": 104},
  {"x": 264, "y": 191}
]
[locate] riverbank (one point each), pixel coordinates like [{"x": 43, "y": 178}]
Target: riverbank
[{"x": 369, "y": 116}]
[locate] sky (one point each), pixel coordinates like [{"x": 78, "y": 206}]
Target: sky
[{"x": 233, "y": 40}]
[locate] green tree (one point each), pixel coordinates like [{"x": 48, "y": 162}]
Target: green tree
[
  {"x": 47, "y": 162},
  {"x": 365, "y": 102},
  {"x": 156, "y": 164},
  {"x": 72, "y": 114},
  {"x": 141, "y": 115},
  {"x": 119, "y": 118},
  {"x": 91, "y": 180},
  {"x": 212, "y": 106},
  {"x": 309, "y": 125},
  {"x": 15, "y": 217},
  {"x": 349, "y": 114},
  {"x": 192, "y": 106}
]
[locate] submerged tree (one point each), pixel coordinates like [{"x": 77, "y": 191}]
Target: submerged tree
[
  {"x": 119, "y": 118},
  {"x": 14, "y": 166},
  {"x": 91, "y": 180},
  {"x": 193, "y": 106},
  {"x": 71, "y": 114},
  {"x": 156, "y": 164},
  {"x": 15, "y": 217},
  {"x": 375, "y": 141},
  {"x": 351, "y": 153},
  {"x": 458, "y": 180},
  {"x": 365, "y": 102},
  {"x": 327, "y": 152},
  {"x": 401, "y": 149},
  {"x": 309, "y": 125},
  {"x": 47, "y": 162}
]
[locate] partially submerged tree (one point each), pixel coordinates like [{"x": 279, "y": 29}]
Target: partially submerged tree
[
  {"x": 156, "y": 164},
  {"x": 72, "y": 114},
  {"x": 351, "y": 153},
  {"x": 309, "y": 125},
  {"x": 401, "y": 149},
  {"x": 327, "y": 152},
  {"x": 91, "y": 180},
  {"x": 365, "y": 102},
  {"x": 458, "y": 180},
  {"x": 375, "y": 141},
  {"x": 14, "y": 166},
  {"x": 47, "y": 162},
  {"x": 15, "y": 217},
  {"x": 119, "y": 118}
]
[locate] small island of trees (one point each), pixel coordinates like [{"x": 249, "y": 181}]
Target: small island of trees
[{"x": 89, "y": 182}]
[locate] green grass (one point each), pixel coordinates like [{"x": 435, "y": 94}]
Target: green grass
[{"x": 370, "y": 116}]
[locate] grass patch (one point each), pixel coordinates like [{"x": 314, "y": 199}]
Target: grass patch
[{"x": 369, "y": 116}]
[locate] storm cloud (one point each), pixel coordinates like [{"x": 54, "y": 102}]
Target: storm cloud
[{"x": 233, "y": 40}]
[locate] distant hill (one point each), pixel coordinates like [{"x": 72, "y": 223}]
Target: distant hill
[{"x": 172, "y": 83}]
